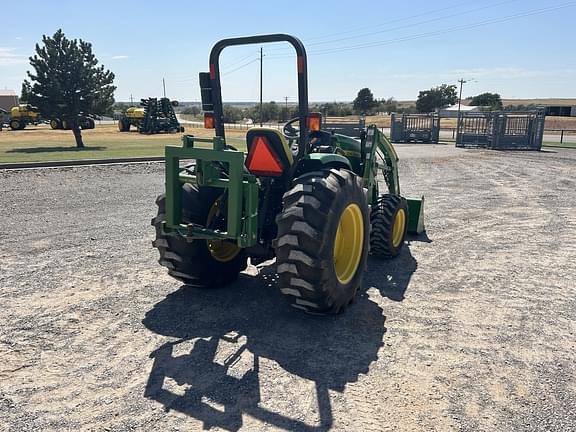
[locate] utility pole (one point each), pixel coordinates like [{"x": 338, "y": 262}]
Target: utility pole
[
  {"x": 261, "y": 56},
  {"x": 131, "y": 100},
  {"x": 462, "y": 82},
  {"x": 286, "y": 107},
  {"x": 164, "y": 86}
]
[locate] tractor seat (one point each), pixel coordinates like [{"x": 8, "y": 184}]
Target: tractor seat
[{"x": 275, "y": 140}]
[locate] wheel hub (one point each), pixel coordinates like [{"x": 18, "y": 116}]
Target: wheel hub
[
  {"x": 221, "y": 250},
  {"x": 348, "y": 243},
  {"x": 399, "y": 227}
]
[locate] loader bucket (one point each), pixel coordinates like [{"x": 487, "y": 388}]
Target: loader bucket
[{"x": 416, "y": 216}]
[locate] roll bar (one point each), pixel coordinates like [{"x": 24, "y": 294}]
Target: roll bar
[{"x": 216, "y": 90}]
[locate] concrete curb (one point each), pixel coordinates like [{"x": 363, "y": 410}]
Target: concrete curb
[{"x": 82, "y": 162}]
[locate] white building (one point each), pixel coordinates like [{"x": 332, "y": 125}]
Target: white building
[{"x": 452, "y": 111}]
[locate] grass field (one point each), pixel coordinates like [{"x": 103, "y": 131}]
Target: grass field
[{"x": 41, "y": 143}]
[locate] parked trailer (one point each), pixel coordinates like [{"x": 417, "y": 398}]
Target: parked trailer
[
  {"x": 23, "y": 115},
  {"x": 415, "y": 128},
  {"x": 500, "y": 130},
  {"x": 84, "y": 122},
  {"x": 132, "y": 117}
]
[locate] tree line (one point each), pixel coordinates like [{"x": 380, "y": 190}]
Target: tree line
[{"x": 68, "y": 82}]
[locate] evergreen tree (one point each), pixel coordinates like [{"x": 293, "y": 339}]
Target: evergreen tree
[
  {"x": 25, "y": 92},
  {"x": 67, "y": 81}
]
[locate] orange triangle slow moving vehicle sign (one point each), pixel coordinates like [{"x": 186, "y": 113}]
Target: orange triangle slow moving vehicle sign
[{"x": 262, "y": 160}]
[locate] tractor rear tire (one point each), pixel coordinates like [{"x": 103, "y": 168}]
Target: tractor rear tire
[
  {"x": 389, "y": 221},
  {"x": 123, "y": 126},
  {"x": 323, "y": 239},
  {"x": 15, "y": 125},
  {"x": 196, "y": 263}
]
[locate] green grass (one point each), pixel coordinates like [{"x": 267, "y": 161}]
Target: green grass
[
  {"x": 96, "y": 149},
  {"x": 43, "y": 146},
  {"x": 557, "y": 144}
]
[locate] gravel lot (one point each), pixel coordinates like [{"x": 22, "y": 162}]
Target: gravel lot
[{"x": 472, "y": 328}]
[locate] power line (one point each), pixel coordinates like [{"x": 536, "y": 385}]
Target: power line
[
  {"x": 443, "y": 17},
  {"x": 240, "y": 67},
  {"x": 383, "y": 23},
  {"x": 437, "y": 32},
  {"x": 308, "y": 43},
  {"x": 237, "y": 61}
]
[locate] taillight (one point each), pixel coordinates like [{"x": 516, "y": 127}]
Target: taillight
[
  {"x": 314, "y": 121},
  {"x": 208, "y": 120},
  {"x": 262, "y": 160}
]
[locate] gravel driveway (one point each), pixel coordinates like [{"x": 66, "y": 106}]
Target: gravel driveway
[{"x": 472, "y": 328}]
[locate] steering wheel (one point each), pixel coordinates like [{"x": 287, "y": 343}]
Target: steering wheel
[
  {"x": 290, "y": 131},
  {"x": 292, "y": 134}
]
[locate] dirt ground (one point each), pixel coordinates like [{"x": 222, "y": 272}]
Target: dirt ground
[{"x": 471, "y": 329}]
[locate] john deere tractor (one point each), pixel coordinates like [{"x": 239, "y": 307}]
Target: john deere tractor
[{"x": 305, "y": 196}]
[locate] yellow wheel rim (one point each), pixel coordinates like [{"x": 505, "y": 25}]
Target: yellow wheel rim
[
  {"x": 349, "y": 243},
  {"x": 399, "y": 228},
  {"x": 221, "y": 250}
]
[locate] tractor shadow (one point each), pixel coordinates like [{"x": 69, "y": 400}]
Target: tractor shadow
[
  {"x": 212, "y": 371},
  {"x": 54, "y": 149},
  {"x": 392, "y": 277}
]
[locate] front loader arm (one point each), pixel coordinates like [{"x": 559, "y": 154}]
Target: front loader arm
[{"x": 379, "y": 154}]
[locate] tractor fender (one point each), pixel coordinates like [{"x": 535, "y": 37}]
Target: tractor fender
[{"x": 320, "y": 161}]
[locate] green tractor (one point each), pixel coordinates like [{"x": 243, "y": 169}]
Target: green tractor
[{"x": 307, "y": 197}]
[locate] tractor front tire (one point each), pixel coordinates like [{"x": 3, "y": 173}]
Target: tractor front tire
[
  {"x": 15, "y": 125},
  {"x": 322, "y": 243},
  {"x": 198, "y": 263},
  {"x": 389, "y": 221},
  {"x": 55, "y": 124}
]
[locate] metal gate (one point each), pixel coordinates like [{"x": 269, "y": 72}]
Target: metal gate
[
  {"x": 500, "y": 130},
  {"x": 518, "y": 131},
  {"x": 474, "y": 130},
  {"x": 352, "y": 130},
  {"x": 415, "y": 128}
]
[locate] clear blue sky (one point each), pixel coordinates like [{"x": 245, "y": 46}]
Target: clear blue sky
[{"x": 520, "y": 49}]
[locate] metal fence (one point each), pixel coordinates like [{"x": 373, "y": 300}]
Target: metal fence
[
  {"x": 353, "y": 130},
  {"x": 474, "y": 130},
  {"x": 446, "y": 134},
  {"x": 414, "y": 128},
  {"x": 501, "y": 130}
]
